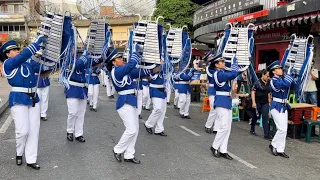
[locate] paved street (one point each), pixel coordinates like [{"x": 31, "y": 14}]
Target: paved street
[{"x": 184, "y": 154}]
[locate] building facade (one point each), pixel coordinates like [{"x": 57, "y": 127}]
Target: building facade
[{"x": 275, "y": 20}]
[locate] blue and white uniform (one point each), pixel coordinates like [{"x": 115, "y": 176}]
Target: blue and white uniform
[
  {"x": 158, "y": 97},
  {"x": 122, "y": 79},
  {"x": 93, "y": 87},
  {"x": 23, "y": 99},
  {"x": 223, "y": 104},
  {"x": 77, "y": 95},
  {"x": 280, "y": 87},
  {"x": 211, "y": 92},
  {"x": 146, "y": 100},
  {"x": 184, "y": 92},
  {"x": 43, "y": 93}
]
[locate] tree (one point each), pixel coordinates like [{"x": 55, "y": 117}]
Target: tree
[{"x": 176, "y": 12}]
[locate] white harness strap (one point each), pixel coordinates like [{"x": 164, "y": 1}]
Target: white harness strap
[
  {"x": 216, "y": 80},
  {"x": 208, "y": 73},
  {"x": 12, "y": 74},
  {"x": 119, "y": 83}
]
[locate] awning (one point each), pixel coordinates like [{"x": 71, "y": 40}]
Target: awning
[
  {"x": 289, "y": 22},
  {"x": 196, "y": 52}
]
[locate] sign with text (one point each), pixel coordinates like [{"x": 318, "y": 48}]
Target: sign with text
[
  {"x": 272, "y": 35},
  {"x": 222, "y": 8},
  {"x": 4, "y": 37}
]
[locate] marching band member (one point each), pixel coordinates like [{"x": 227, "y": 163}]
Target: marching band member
[
  {"x": 175, "y": 86},
  {"x": 93, "y": 88},
  {"x": 103, "y": 76},
  {"x": 184, "y": 93},
  {"x": 43, "y": 93},
  {"x": 146, "y": 100},
  {"x": 122, "y": 75},
  {"x": 211, "y": 92},
  {"x": 76, "y": 97},
  {"x": 280, "y": 87},
  {"x": 109, "y": 86},
  {"x": 158, "y": 97},
  {"x": 223, "y": 104},
  {"x": 23, "y": 99}
]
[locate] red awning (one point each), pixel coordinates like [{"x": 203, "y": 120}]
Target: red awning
[{"x": 196, "y": 52}]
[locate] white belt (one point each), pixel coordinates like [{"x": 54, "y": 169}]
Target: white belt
[
  {"x": 36, "y": 74},
  {"x": 23, "y": 90},
  {"x": 222, "y": 93},
  {"x": 211, "y": 85},
  {"x": 125, "y": 92},
  {"x": 182, "y": 82},
  {"x": 280, "y": 100},
  {"x": 145, "y": 80},
  {"x": 157, "y": 85},
  {"x": 77, "y": 84},
  {"x": 93, "y": 74}
]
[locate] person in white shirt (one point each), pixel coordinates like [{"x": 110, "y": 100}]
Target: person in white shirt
[{"x": 310, "y": 93}]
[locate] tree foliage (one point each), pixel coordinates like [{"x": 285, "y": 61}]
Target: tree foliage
[{"x": 176, "y": 12}]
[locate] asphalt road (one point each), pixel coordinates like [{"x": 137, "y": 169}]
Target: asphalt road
[{"x": 184, "y": 154}]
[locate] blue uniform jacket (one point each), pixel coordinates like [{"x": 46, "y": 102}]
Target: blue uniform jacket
[
  {"x": 21, "y": 73},
  {"x": 185, "y": 77},
  {"x": 140, "y": 81},
  {"x": 211, "y": 89},
  {"x": 122, "y": 80},
  {"x": 79, "y": 76},
  {"x": 43, "y": 81},
  {"x": 222, "y": 83},
  {"x": 94, "y": 76},
  {"x": 158, "y": 80},
  {"x": 280, "y": 89}
]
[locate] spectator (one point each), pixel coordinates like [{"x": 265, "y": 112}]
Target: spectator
[
  {"x": 310, "y": 93},
  {"x": 196, "y": 63}
]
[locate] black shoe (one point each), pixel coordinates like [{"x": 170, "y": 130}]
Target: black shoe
[
  {"x": 34, "y": 166},
  {"x": 44, "y": 118},
  {"x": 88, "y": 102},
  {"x": 214, "y": 132},
  {"x": 215, "y": 152},
  {"x": 168, "y": 103},
  {"x": 208, "y": 130},
  {"x": 140, "y": 117},
  {"x": 182, "y": 116},
  {"x": 148, "y": 109},
  {"x": 19, "y": 160},
  {"x": 267, "y": 137},
  {"x": 253, "y": 133},
  {"x": 133, "y": 160},
  {"x": 187, "y": 117},
  {"x": 70, "y": 136},
  {"x": 161, "y": 134},
  {"x": 175, "y": 107},
  {"x": 117, "y": 156},
  {"x": 143, "y": 108},
  {"x": 273, "y": 150},
  {"x": 95, "y": 110},
  {"x": 110, "y": 97},
  {"x": 80, "y": 139},
  {"x": 226, "y": 156},
  {"x": 91, "y": 108},
  {"x": 283, "y": 155},
  {"x": 149, "y": 130}
]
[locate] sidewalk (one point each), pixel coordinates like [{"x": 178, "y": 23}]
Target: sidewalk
[{"x": 4, "y": 94}]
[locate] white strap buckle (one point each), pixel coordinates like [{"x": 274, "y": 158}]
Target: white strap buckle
[{"x": 223, "y": 93}]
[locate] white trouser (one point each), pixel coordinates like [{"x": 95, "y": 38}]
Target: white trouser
[
  {"x": 127, "y": 142},
  {"x": 139, "y": 104},
  {"x": 223, "y": 131},
  {"x": 77, "y": 110},
  {"x": 27, "y": 125},
  {"x": 184, "y": 103},
  {"x": 93, "y": 94},
  {"x": 146, "y": 100},
  {"x": 176, "y": 98},
  {"x": 168, "y": 91},
  {"x": 43, "y": 94},
  {"x": 102, "y": 77},
  {"x": 157, "y": 115},
  {"x": 281, "y": 121},
  {"x": 212, "y": 118},
  {"x": 109, "y": 86}
]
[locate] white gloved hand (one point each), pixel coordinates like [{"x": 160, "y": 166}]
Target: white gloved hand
[{"x": 137, "y": 48}]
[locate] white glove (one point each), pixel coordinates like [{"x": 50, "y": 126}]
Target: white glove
[
  {"x": 85, "y": 53},
  {"x": 137, "y": 48}
]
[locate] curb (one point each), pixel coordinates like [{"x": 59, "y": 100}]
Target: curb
[{"x": 4, "y": 106}]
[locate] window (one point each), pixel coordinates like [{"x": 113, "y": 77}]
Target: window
[
  {"x": 11, "y": 8},
  {"x": 16, "y": 28},
  {"x": 22, "y": 28},
  {"x": 4, "y": 8},
  {"x": 10, "y": 28},
  {"x": 5, "y": 28},
  {"x": 16, "y": 8}
]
